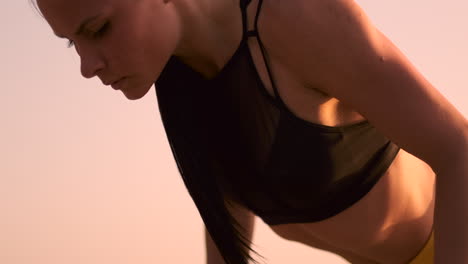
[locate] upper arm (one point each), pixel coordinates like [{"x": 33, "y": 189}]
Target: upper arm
[{"x": 333, "y": 46}]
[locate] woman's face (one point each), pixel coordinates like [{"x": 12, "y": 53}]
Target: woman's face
[{"x": 126, "y": 40}]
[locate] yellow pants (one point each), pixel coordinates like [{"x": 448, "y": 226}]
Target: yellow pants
[{"x": 426, "y": 255}]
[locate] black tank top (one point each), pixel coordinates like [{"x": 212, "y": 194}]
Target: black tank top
[{"x": 283, "y": 168}]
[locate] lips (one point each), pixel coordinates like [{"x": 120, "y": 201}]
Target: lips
[
  {"x": 107, "y": 82},
  {"x": 116, "y": 85},
  {"x": 112, "y": 83}
]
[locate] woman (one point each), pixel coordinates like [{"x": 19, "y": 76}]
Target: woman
[{"x": 300, "y": 112}]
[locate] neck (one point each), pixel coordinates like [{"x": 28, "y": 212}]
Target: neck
[{"x": 211, "y": 31}]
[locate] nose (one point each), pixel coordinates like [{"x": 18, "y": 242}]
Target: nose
[{"x": 91, "y": 64}]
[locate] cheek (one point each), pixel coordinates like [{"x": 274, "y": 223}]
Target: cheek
[
  {"x": 144, "y": 42},
  {"x": 153, "y": 45},
  {"x": 140, "y": 54}
]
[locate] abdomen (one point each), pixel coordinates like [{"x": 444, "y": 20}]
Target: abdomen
[{"x": 389, "y": 225}]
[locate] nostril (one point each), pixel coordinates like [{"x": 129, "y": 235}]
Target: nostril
[
  {"x": 90, "y": 67},
  {"x": 86, "y": 73}
]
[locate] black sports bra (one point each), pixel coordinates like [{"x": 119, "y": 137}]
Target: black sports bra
[{"x": 283, "y": 168}]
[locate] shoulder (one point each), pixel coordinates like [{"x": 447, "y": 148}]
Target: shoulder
[
  {"x": 332, "y": 46},
  {"x": 310, "y": 37}
]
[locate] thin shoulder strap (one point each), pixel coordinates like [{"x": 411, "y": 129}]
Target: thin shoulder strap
[
  {"x": 264, "y": 54},
  {"x": 243, "y": 6},
  {"x": 248, "y": 33}
]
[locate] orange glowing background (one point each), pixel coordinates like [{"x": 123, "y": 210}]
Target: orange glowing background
[{"x": 87, "y": 177}]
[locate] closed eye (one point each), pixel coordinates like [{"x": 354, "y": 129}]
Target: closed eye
[
  {"x": 95, "y": 35},
  {"x": 102, "y": 30}
]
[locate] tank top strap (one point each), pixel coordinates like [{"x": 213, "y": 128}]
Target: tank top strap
[
  {"x": 243, "y": 6},
  {"x": 254, "y": 32},
  {"x": 249, "y": 33}
]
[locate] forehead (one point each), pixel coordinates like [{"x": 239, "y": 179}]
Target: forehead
[{"x": 64, "y": 15}]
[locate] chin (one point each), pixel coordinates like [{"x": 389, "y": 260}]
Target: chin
[{"x": 135, "y": 93}]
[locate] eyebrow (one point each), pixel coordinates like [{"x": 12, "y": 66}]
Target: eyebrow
[{"x": 82, "y": 26}]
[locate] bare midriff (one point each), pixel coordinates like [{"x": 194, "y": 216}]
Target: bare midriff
[{"x": 389, "y": 225}]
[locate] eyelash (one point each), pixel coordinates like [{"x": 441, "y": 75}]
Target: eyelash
[
  {"x": 99, "y": 33},
  {"x": 70, "y": 43}
]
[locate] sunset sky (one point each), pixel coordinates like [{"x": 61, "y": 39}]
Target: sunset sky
[{"x": 87, "y": 177}]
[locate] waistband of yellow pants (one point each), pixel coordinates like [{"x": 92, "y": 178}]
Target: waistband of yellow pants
[{"x": 426, "y": 255}]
